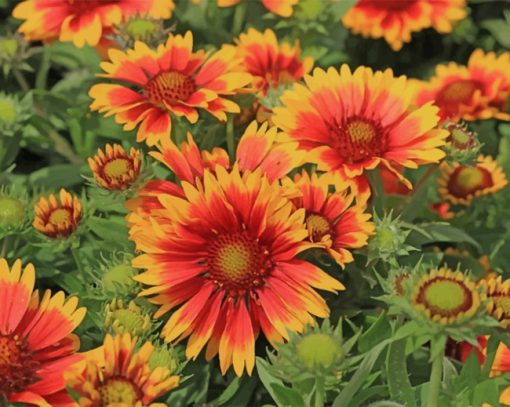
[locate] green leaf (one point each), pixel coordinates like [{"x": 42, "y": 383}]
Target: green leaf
[
  {"x": 113, "y": 229},
  {"x": 359, "y": 378},
  {"x": 283, "y": 396},
  {"x": 443, "y": 232},
  {"x": 57, "y": 176},
  {"x": 378, "y": 331},
  {"x": 398, "y": 378}
]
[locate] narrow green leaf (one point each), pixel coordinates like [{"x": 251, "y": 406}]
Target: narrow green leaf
[{"x": 398, "y": 379}]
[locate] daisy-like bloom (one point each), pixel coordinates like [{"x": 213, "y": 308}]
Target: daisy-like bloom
[
  {"x": 396, "y": 20},
  {"x": 115, "y": 169},
  {"x": 117, "y": 375},
  {"x": 170, "y": 80},
  {"x": 477, "y": 91},
  {"x": 57, "y": 218},
  {"x": 446, "y": 297},
  {"x": 460, "y": 184},
  {"x": 352, "y": 122},
  {"x": 334, "y": 221},
  {"x": 498, "y": 294},
  {"x": 270, "y": 63},
  {"x": 36, "y": 342},
  {"x": 225, "y": 254},
  {"x": 82, "y": 21},
  {"x": 282, "y": 8}
]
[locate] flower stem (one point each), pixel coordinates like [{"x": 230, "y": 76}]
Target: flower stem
[
  {"x": 42, "y": 73},
  {"x": 319, "y": 391},
  {"x": 77, "y": 261},
  {"x": 230, "y": 138},
  {"x": 424, "y": 178},
  {"x": 20, "y": 78},
  {"x": 5, "y": 246},
  {"x": 435, "y": 379}
]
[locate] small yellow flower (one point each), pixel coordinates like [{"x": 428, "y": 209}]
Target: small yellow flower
[
  {"x": 498, "y": 294},
  {"x": 57, "y": 218},
  {"x": 128, "y": 319},
  {"x": 460, "y": 184},
  {"x": 446, "y": 297},
  {"x": 114, "y": 169}
]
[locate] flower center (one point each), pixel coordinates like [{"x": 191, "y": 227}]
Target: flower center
[
  {"x": 8, "y": 47},
  {"x": 118, "y": 390},
  {"x": 467, "y": 180},
  {"x": 129, "y": 320},
  {"x": 457, "y": 92},
  {"x": 140, "y": 29},
  {"x": 318, "y": 226},
  {"x": 445, "y": 297},
  {"x": 17, "y": 366},
  {"x": 117, "y": 168},
  {"x": 8, "y": 112},
  {"x": 237, "y": 262},
  {"x": 170, "y": 87},
  {"x": 359, "y": 139},
  {"x": 318, "y": 350},
  {"x": 60, "y": 217},
  {"x": 12, "y": 211}
]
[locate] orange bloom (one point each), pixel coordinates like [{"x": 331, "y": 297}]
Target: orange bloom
[
  {"x": 225, "y": 254},
  {"x": 36, "y": 343},
  {"x": 353, "y": 122},
  {"x": 270, "y": 63},
  {"x": 172, "y": 79},
  {"x": 396, "y": 20},
  {"x": 115, "y": 170},
  {"x": 116, "y": 374},
  {"x": 333, "y": 220},
  {"x": 460, "y": 184},
  {"x": 479, "y": 90},
  {"x": 57, "y": 218},
  {"x": 282, "y": 8},
  {"x": 82, "y": 21}
]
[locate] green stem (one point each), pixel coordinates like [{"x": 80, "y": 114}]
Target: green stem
[
  {"x": 77, "y": 261},
  {"x": 319, "y": 391},
  {"x": 239, "y": 15},
  {"x": 230, "y": 138},
  {"x": 5, "y": 246},
  {"x": 64, "y": 148},
  {"x": 376, "y": 185},
  {"x": 435, "y": 379},
  {"x": 42, "y": 73},
  {"x": 424, "y": 178},
  {"x": 492, "y": 348},
  {"x": 20, "y": 78}
]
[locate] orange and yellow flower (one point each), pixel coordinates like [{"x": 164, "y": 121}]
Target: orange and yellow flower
[
  {"x": 460, "y": 184},
  {"x": 396, "y": 20},
  {"x": 57, "y": 218},
  {"x": 334, "y": 221},
  {"x": 350, "y": 122},
  {"x": 225, "y": 255},
  {"x": 37, "y": 346},
  {"x": 282, "y": 8},
  {"x": 116, "y": 374},
  {"x": 271, "y": 64},
  {"x": 498, "y": 295},
  {"x": 115, "y": 169},
  {"x": 477, "y": 91},
  {"x": 82, "y": 21},
  {"x": 170, "y": 80}
]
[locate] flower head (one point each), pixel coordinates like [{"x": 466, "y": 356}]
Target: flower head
[
  {"x": 271, "y": 64},
  {"x": 130, "y": 319},
  {"x": 81, "y": 21},
  {"x": 334, "y": 221},
  {"x": 170, "y": 80},
  {"x": 446, "y": 297},
  {"x": 224, "y": 253},
  {"x": 115, "y": 169},
  {"x": 460, "y": 184},
  {"x": 396, "y": 20},
  {"x": 118, "y": 279},
  {"x": 462, "y": 145},
  {"x": 350, "y": 122},
  {"x": 36, "y": 343},
  {"x": 498, "y": 294},
  {"x": 477, "y": 91},
  {"x": 57, "y": 218},
  {"x": 13, "y": 210},
  {"x": 117, "y": 374},
  {"x": 13, "y": 113}
]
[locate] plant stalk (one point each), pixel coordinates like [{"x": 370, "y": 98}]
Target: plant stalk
[
  {"x": 319, "y": 391},
  {"x": 20, "y": 78},
  {"x": 435, "y": 380},
  {"x": 230, "y": 138}
]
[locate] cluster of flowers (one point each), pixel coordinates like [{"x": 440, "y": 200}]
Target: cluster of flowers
[{"x": 219, "y": 245}]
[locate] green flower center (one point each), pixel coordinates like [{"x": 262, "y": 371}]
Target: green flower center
[
  {"x": 319, "y": 350},
  {"x": 8, "y": 47},
  {"x": 119, "y": 278},
  {"x": 117, "y": 168},
  {"x": 140, "y": 29},
  {"x": 468, "y": 180},
  {"x": 8, "y": 111},
  {"x": 129, "y": 320},
  {"x": 118, "y": 390},
  {"x": 460, "y": 137},
  {"x": 163, "y": 357},
  {"x": 60, "y": 217},
  {"x": 12, "y": 211}
]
